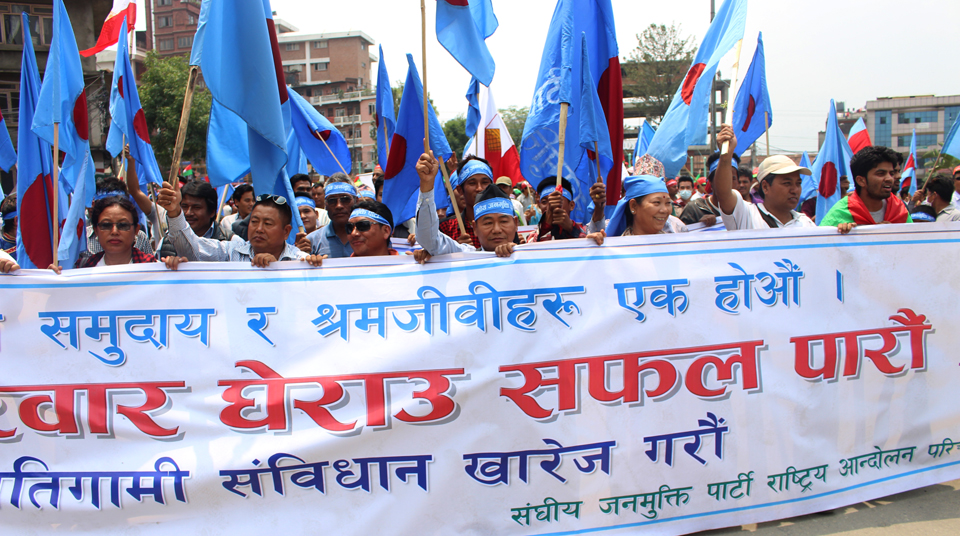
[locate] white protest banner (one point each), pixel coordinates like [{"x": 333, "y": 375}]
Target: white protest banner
[{"x": 660, "y": 385}]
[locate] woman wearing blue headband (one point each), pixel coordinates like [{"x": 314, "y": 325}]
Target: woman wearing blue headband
[{"x": 644, "y": 210}]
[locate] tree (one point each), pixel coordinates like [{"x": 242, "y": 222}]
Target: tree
[
  {"x": 456, "y": 132},
  {"x": 161, "y": 94},
  {"x": 514, "y": 118},
  {"x": 655, "y": 69}
]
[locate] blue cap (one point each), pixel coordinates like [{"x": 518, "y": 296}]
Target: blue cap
[{"x": 635, "y": 187}]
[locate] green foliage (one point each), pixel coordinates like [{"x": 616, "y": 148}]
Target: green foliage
[
  {"x": 161, "y": 94},
  {"x": 456, "y": 132},
  {"x": 655, "y": 69},
  {"x": 514, "y": 118}
]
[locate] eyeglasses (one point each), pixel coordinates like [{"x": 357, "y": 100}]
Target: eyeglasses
[
  {"x": 275, "y": 198},
  {"x": 362, "y": 226},
  {"x": 122, "y": 226},
  {"x": 345, "y": 200}
]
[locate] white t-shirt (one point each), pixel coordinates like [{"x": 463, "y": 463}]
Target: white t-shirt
[{"x": 748, "y": 216}]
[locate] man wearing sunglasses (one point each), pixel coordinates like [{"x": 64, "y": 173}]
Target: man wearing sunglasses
[
  {"x": 333, "y": 240},
  {"x": 495, "y": 224},
  {"x": 269, "y": 227},
  {"x": 370, "y": 229}
]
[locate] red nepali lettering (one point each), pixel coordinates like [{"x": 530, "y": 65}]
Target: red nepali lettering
[
  {"x": 278, "y": 398},
  {"x": 64, "y": 401},
  {"x": 637, "y": 367},
  {"x": 911, "y": 323}
]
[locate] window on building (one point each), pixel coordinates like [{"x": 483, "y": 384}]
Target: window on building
[
  {"x": 164, "y": 2},
  {"x": 917, "y": 117},
  {"x": 293, "y": 46},
  {"x": 923, "y": 140},
  {"x": 165, "y": 22},
  {"x": 185, "y": 42},
  {"x": 320, "y": 66},
  {"x": 320, "y": 44},
  {"x": 165, "y": 44}
]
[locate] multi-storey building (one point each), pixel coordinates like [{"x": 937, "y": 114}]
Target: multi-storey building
[{"x": 332, "y": 71}]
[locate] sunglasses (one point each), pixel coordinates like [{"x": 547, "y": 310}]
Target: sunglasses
[
  {"x": 122, "y": 226},
  {"x": 269, "y": 197},
  {"x": 361, "y": 226}
]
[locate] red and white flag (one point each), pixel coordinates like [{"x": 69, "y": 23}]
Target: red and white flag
[
  {"x": 110, "y": 33},
  {"x": 858, "y": 137},
  {"x": 493, "y": 141}
]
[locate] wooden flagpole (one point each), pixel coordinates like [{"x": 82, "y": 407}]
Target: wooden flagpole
[
  {"x": 736, "y": 76},
  {"x": 56, "y": 191}
]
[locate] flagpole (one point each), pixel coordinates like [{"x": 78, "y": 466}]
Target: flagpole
[
  {"x": 453, "y": 198},
  {"x": 766, "y": 130},
  {"x": 563, "y": 141},
  {"x": 56, "y": 191},
  {"x": 596, "y": 150},
  {"x": 184, "y": 121},
  {"x": 736, "y": 75},
  {"x": 426, "y": 101},
  {"x": 335, "y": 156}
]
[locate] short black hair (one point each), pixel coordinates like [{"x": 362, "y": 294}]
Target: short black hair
[
  {"x": 376, "y": 207},
  {"x": 111, "y": 184},
  {"x": 716, "y": 156},
  {"x": 868, "y": 158},
  {"x": 241, "y": 191},
  {"x": 552, "y": 181},
  {"x": 300, "y": 177},
  {"x": 201, "y": 190},
  {"x": 8, "y": 206},
  {"x": 942, "y": 185},
  {"x": 113, "y": 201},
  {"x": 286, "y": 213},
  {"x": 684, "y": 178}
]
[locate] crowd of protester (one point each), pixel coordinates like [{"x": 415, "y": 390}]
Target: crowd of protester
[{"x": 183, "y": 222}]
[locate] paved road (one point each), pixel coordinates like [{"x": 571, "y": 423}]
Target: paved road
[{"x": 930, "y": 511}]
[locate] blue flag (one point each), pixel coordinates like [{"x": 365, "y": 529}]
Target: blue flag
[
  {"x": 401, "y": 183},
  {"x": 473, "y": 113},
  {"x": 462, "y": 28},
  {"x": 833, "y": 162},
  {"x": 909, "y": 176},
  {"x": 239, "y": 56},
  {"x": 386, "y": 117},
  {"x": 127, "y": 118},
  {"x": 35, "y": 189},
  {"x": 559, "y": 70},
  {"x": 808, "y": 187},
  {"x": 644, "y": 137},
  {"x": 63, "y": 104},
  {"x": 324, "y": 145},
  {"x": 951, "y": 143},
  {"x": 753, "y": 100},
  {"x": 593, "y": 125},
  {"x": 685, "y": 122}
]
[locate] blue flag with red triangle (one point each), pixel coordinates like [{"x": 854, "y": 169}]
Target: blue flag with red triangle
[
  {"x": 462, "y": 28},
  {"x": 685, "y": 122},
  {"x": 833, "y": 162},
  {"x": 386, "y": 119},
  {"x": 908, "y": 178},
  {"x": 401, "y": 182},
  {"x": 35, "y": 189},
  {"x": 557, "y": 75},
  {"x": 63, "y": 104},
  {"x": 752, "y": 102},
  {"x": 321, "y": 142},
  {"x": 594, "y": 135},
  {"x": 128, "y": 119}
]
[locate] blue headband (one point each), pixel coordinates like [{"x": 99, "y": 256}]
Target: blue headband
[
  {"x": 716, "y": 164},
  {"x": 336, "y": 188},
  {"x": 368, "y": 194},
  {"x": 471, "y": 168},
  {"x": 10, "y": 215},
  {"x": 635, "y": 187},
  {"x": 563, "y": 191},
  {"x": 494, "y": 205},
  {"x": 111, "y": 193},
  {"x": 370, "y": 215},
  {"x": 303, "y": 201}
]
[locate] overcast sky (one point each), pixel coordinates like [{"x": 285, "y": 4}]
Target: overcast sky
[{"x": 851, "y": 51}]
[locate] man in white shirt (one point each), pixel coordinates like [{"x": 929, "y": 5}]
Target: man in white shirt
[{"x": 780, "y": 186}]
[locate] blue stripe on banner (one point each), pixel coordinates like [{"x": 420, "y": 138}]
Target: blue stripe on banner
[
  {"x": 478, "y": 265},
  {"x": 753, "y": 507}
]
